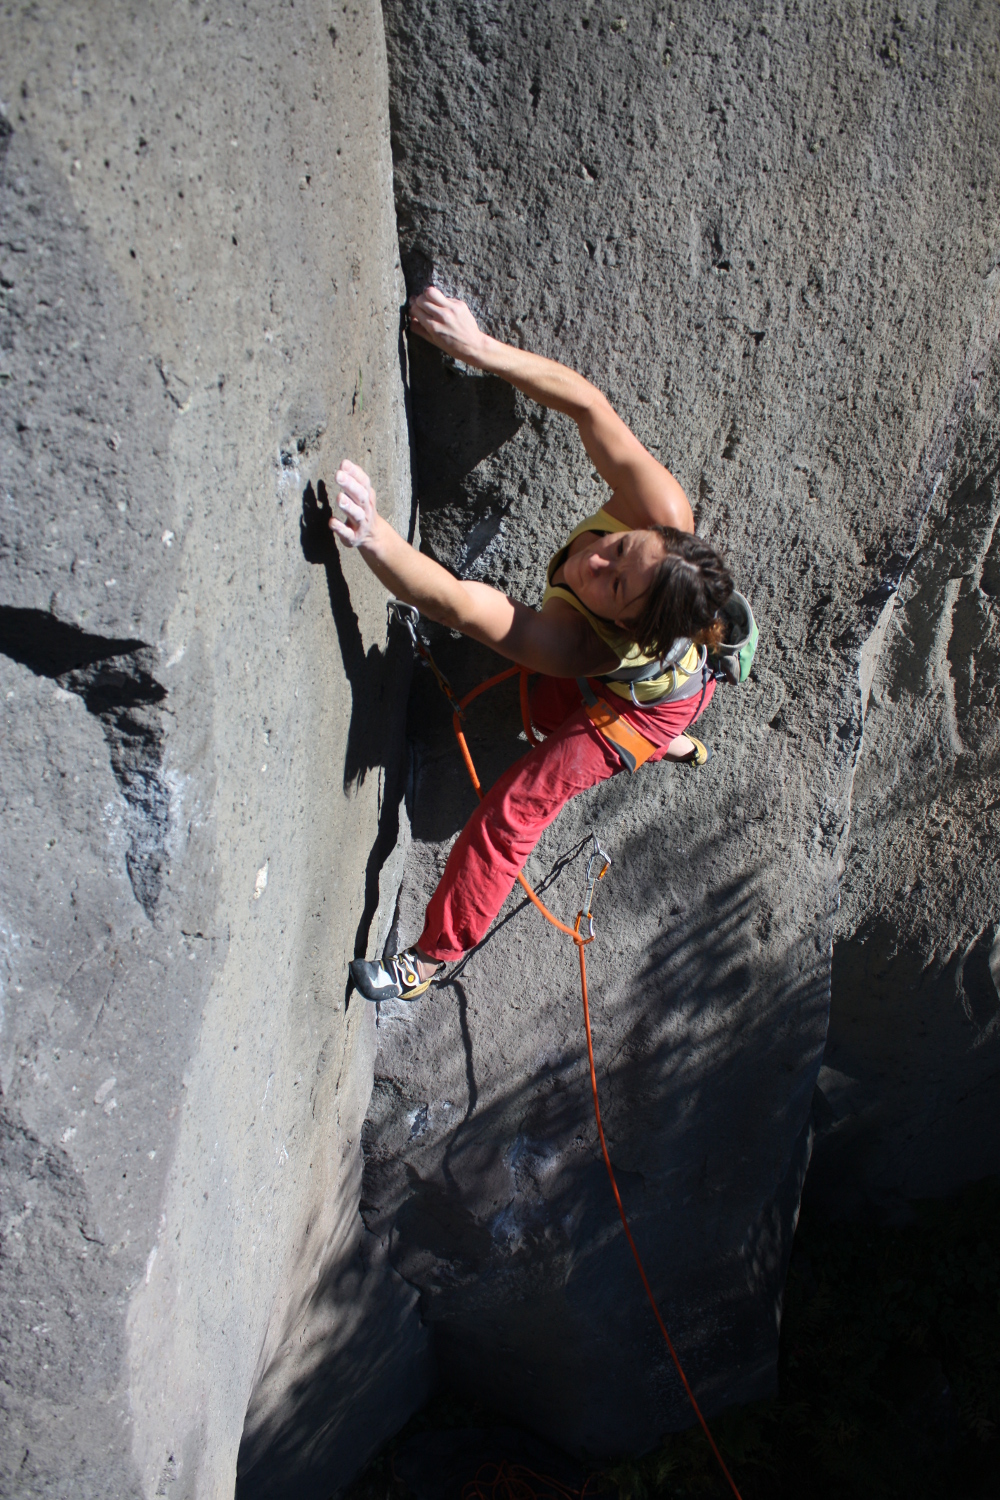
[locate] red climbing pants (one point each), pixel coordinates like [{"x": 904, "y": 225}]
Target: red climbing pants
[{"x": 495, "y": 843}]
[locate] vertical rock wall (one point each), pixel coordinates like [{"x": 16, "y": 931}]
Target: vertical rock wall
[
  {"x": 769, "y": 235},
  {"x": 908, "y": 1092},
  {"x": 199, "y": 302}
]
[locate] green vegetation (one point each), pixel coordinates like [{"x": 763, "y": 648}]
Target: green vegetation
[{"x": 889, "y": 1376}]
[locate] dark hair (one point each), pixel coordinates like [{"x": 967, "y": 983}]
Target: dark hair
[{"x": 691, "y": 587}]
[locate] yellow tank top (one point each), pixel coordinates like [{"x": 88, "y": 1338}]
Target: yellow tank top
[{"x": 621, "y": 644}]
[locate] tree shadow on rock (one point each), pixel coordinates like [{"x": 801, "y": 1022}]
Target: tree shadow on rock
[{"x": 707, "y": 1045}]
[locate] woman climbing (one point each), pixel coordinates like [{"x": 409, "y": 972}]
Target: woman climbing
[{"x": 633, "y": 598}]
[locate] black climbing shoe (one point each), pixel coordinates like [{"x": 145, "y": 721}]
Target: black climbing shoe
[{"x": 395, "y": 978}]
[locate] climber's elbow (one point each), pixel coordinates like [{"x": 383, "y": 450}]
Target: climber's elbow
[{"x": 479, "y": 611}]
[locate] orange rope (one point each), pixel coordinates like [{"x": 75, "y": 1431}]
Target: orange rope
[
  {"x": 510, "y": 1493},
  {"x": 466, "y": 756}
]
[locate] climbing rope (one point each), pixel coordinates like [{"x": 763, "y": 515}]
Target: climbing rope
[{"x": 597, "y": 868}]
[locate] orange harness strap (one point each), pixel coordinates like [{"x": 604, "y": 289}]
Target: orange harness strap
[{"x": 633, "y": 748}]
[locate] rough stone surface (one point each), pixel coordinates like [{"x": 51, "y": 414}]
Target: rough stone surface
[
  {"x": 771, "y": 236},
  {"x": 909, "y": 1083},
  {"x": 199, "y": 312}
]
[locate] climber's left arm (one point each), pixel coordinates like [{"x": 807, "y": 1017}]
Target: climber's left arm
[{"x": 558, "y": 641}]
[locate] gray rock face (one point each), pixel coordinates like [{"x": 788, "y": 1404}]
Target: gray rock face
[
  {"x": 908, "y": 1091},
  {"x": 771, "y": 238},
  {"x": 199, "y": 314}
]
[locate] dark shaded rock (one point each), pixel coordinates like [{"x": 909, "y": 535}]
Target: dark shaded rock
[{"x": 443, "y": 1465}]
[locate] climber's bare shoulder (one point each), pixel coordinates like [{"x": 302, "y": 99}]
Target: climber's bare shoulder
[
  {"x": 644, "y": 492},
  {"x": 584, "y": 651}
]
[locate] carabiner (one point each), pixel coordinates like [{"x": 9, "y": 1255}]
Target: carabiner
[
  {"x": 407, "y": 614},
  {"x": 599, "y": 858}
]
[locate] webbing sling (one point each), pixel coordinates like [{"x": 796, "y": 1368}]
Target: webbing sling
[
  {"x": 633, "y": 748},
  {"x": 657, "y": 668}
]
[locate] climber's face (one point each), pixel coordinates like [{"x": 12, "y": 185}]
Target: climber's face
[{"x": 612, "y": 574}]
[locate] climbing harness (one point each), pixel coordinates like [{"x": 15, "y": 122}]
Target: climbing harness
[
  {"x": 683, "y": 684},
  {"x": 730, "y": 662},
  {"x": 597, "y": 867}
]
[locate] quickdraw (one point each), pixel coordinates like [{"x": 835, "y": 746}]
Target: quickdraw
[{"x": 409, "y": 616}]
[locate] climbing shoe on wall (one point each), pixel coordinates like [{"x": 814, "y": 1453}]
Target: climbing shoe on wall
[{"x": 395, "y": 978}]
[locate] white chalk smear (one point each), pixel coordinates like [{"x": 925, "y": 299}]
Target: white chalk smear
[{"x": 104, "y": 1090}]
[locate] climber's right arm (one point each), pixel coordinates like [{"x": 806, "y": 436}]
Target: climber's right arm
[
  {"x": 644, "y": 492},
  {"x": 557, "y": 641}
]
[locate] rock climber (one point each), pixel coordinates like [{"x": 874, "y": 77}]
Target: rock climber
[{"x": 630, "y": 597}]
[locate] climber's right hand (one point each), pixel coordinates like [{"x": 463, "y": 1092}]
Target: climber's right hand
[
  {"x": 448, "y": 323},
  {"x": 356, "y": 500}
]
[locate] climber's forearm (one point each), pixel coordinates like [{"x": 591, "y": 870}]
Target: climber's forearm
[
  {"x": 403, "y": 570},
  {"x": 414, "y": 577},
  {"x": 448, "y": 322},
  {"x": 543, "y": 380},
  {"x": 473, "y": 608},
  {"x": 645, "y": 493}
]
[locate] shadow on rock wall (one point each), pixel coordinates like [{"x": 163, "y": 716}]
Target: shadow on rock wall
[
  {"x": 378, "y": 681},
  {"x": 460, "y": 418},
  {"x": 115, "y": 679},
  {"x": 491, "y": 1193},
  {"x": 356, "y": 1348}
]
